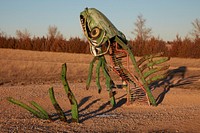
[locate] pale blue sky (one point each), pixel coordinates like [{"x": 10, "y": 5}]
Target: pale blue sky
[{"x": 165, "y": 17}]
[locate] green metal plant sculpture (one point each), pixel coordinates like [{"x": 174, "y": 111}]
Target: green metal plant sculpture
[
  {"x": 104, "y": 38},
  {"x": 39, "y": 112}
]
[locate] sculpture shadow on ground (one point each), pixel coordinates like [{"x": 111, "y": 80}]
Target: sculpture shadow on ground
[
  {"x": 174, "y": 78},
  {"x": 84, "y": 114},
  {"x": 102, "y": 110}
]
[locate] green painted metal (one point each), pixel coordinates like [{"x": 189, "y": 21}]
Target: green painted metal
[
  {"x": 101, "y": 35},
  {"x": 101, "y": 64},
  {"x": 42, "y": 113},
  {"x": 91, "y": 18},
  {"x": 71, "y": 97},
  {"x": 108, "y": 81},
  {"x": 147, "y": 57},
  {"x": 42, "y": 110},
  {"x": 90, "y": 73},
  {"x": 155, "y": 78},
  {"x": 106, "y": 74},
  {"x": 154, "y": 70},
  {"x": 25, "y": 106},
  {"x": 98, "y": 30},
  {"x": 98, "y": 75},
  {"x": 153, "y": 63},
  {"x": 145, "y": 85},
  {"x": 56, "y": 105}
]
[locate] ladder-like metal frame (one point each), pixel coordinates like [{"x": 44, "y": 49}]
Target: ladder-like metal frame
[{"x": 124, "y": 71}]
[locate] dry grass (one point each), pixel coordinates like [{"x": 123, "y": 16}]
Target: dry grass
[{"x": 20, "y": 66}]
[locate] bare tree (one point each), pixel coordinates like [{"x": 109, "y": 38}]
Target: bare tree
[
  {"x": 141, "y": 31},
  {"x": 54, "y": 33},
  {"x": 3, "y": 34},
  {"x": 23, "y": 34},
  {"x": 196, "y": 28}
]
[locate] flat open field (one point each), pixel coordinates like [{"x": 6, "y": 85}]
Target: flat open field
[{"x": 27, "y": 76}]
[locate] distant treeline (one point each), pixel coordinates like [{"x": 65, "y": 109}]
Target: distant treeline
[
  {"x": 186, "y": 48},
  {"x": 73, "y": 45}
]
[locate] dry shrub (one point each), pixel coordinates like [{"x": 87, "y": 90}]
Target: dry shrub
[
  {"x": 185, "y": 48},
  {"x": 151, "y": 46},
  {"x": 73, "y": 45}
]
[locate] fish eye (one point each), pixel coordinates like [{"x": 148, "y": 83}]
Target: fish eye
[{"x": 95, "y": 32}]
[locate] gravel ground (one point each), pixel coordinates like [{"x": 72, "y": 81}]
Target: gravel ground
[{"x": 178, "y": 112}]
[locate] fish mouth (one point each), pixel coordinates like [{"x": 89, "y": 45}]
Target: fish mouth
[{"x": 85, "y": 26}]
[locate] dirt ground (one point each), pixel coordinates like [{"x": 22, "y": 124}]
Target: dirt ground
[{"x": 27, "y": 76}]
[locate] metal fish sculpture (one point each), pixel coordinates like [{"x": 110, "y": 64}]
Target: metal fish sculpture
[{"x": 105, "y": 39}]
